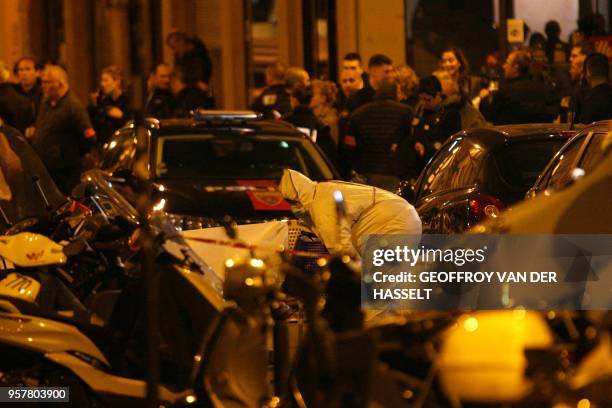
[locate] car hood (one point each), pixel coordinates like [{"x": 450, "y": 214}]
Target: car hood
[{"x": 249, "y": 200}]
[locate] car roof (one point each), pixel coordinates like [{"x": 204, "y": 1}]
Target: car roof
[
  {"x": 257, "y": 126},
  {"x": 498, "y": 135}
]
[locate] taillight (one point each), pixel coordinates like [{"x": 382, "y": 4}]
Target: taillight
[{"x": 484, "y": 206}]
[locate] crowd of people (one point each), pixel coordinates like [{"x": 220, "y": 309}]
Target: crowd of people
[
  {"x": 380, "y": 124},
  {"x": 68, "y": 134}
]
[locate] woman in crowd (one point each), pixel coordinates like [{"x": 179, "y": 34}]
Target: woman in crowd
[
  {"x": 470, "y": 116},
  {"x": 407, "y": 82},
  {"x": 324, "y": 94},
  {"x": 109, "y": 105},
  {"x": 456, "y": 65}
]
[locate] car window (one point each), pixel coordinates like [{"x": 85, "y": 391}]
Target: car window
[
  {"x": 211, "y": 156},
  {"x": 457, "y": 165},
  {"x": 561, "y": 173},
  {"x": 118, "y": 153},
  {"x": 521, "y": 162},
  {"x": 594, "y": 151}
]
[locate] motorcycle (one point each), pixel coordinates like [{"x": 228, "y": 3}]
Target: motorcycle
[{"x": 213, "y": 352}]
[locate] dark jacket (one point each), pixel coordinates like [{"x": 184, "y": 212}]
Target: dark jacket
[
  {"x": 189, "y": 99},
  {"x": 159, "y": 104},
  {"x": 356, "y": 100},
  {"x": 375, "y": 132},
  {"x": 521, "y": 100},
  {"x": 195, "y": 64},
  {"x": 64, "y": 133},
  {"x": 470, "y": 116},
  {"x": 105, "y": 125},
  {"x": 432, "y": 128},
  {"x": 595, "y": 104},
  {"x": 304, "y": 119},
  {"x": 360, "y": 98},
  {"x": 15, "y": 109},
  {"x": 273, "y": 98},
  {"x": 34, "y": 95}
]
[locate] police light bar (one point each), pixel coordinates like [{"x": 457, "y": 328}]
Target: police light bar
[{"x": 203, "y": 114}]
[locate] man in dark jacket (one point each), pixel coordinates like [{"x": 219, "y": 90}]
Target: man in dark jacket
[
  {"x": 596, "y": 102},
  {"x": 434, "y": 121},
  {"x": 15, "y": 109},
  {"x": 186, "y": 98},
  {"x": 379, "y": 67},
  {"x": 159, "y": 102},
  {"x": 27, "y": 71},
  {"x": 520, "y": 99},
  {"x": 63, "y": 134},
  {"x": 307, "y": 122},
  {"x": 273, "y": 102},
  {"x": 376, "y": 134}
]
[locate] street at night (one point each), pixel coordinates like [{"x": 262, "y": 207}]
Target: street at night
[{"x": 306, "y": 203}]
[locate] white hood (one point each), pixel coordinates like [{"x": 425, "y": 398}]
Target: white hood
[{"x": 295, "y": 186}]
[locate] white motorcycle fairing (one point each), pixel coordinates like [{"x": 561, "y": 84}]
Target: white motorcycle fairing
[
  {"x": 16, "y": 285},
  {"x": 45, "y": 335},
  {"x": 29, "y": 250},
  {"x": 64, "y": 345}
]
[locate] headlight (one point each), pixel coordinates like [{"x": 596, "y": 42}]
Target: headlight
[{"x": 190, "y": 222}]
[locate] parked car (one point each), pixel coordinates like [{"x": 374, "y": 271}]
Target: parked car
[
  {"x": 577, "y": 157},
  {"x": 218, "y": 163},
  {"x": 479, "y": 172},
  {"x": 582, "y": 207}
]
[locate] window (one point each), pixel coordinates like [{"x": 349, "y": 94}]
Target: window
[
  {"x": 561, "y": 173},
  {"x": 521, "y": 162},
  {"x": 457, "y": 165},
  {"x": 246, "y": 157},
  {"x": 594, "y": 151}
]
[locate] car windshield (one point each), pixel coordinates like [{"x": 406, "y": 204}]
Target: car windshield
[
  {"x": 208, "y": 156},
  {"x": 26, "y": 188},
  {"x": 521, "y": 162}
]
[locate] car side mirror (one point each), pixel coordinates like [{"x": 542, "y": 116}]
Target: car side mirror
[{"x": 406, "y": 191}]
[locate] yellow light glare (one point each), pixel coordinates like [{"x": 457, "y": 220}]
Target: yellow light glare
[
  {"x": 470, "y": 324},
  {"x": 161, "y": 204},
  {"x": 519, "y": 313},
  {"x": 256, "y": 263},
  {"x": 190, "y": 399},
  {"x": 229, "y": 263},
  {"x": 583, "y": 403}
]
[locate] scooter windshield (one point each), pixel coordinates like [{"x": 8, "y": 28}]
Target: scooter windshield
[{"x": 26, "y": 188}]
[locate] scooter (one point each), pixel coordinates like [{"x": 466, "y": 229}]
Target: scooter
[{"x": 213, "y": 351}]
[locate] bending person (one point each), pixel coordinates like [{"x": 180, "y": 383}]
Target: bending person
[{"x": 369, "y": 210}]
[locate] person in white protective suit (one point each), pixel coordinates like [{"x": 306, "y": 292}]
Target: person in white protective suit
[{"x": 369, "y": 210}]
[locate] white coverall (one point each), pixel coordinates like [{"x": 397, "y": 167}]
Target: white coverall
[{"x": 369, "y": 210}]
